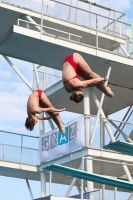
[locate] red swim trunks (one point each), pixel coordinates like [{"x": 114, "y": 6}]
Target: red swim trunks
[{"x": 39, "y": 92}]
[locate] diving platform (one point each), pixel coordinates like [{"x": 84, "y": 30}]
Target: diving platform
[
  {"x": 90, "y": 176},
  {"x": 120, "y": 146}
]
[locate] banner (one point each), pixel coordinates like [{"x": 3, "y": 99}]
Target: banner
[{"x": 53, "y": 144}]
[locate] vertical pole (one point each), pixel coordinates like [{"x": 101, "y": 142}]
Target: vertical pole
[
  {"x": 3, "y": 150},
  {"x": 97, "y": 32},
  {"x": 76, "y": 12},
  {"x": 90, "y": 15},
  {"x": 120, "y": 26},
  {"x": 103, "y": 192},
  {"x": 89, "y": 168},
  {"x": 69, "y": 11},
  {"x": 115, "y": 193},
  {"x": 42, "y": 174},
  {"x": 100, "y": 194},
  {"x": 36, "y": 75},
  {"x": 108, "y": 22},
  {"x": 50, "y": 183},
  {"x": 102, "y": 134},
  {"x": 82, "y": 181},
  {"x": 21, "y": 150},
  {"x": 43, "y": 184},
  {"x": 41, "y": 17},
  {"x": 87, "y": 116},
  {"x": 114, "y": 23}
]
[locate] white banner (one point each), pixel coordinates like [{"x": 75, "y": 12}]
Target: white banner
[
  {"x": 53, "y": 144},
  {"x": 46, "y": 2}
]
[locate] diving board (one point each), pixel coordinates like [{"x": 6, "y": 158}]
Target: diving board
[
  {"x": 121, "y": 147},
  {"x": 90, "y": 176}
]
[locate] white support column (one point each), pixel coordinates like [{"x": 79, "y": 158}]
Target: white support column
[
  {"x": 100, "y": 194},
  {"x": 87, "y": 116},
  {"x": 42, "y": 174},
  {"x": 102, "y": 134},
  {"x": 90, "y": 185},
  {"x": 17, "y": 71},
  {"x": 115, "y": 193},
  {"x": 29, "y": 189},
  {"x": 50, "y": 183},
  {"x": 103, "y": 115},
  {"x": 103, "y": 192},
  {"x": 43, "y": 184}
]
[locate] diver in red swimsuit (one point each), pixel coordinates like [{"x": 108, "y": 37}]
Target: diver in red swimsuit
[
  {"x": 38, "y": 103},
  {"x": 74, "y": 67}
]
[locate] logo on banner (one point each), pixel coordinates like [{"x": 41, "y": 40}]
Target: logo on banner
[
  {"x": 63, "y": 139},
  {"x": 57, "y": 138},
  {"x": 49, "y": 142}
]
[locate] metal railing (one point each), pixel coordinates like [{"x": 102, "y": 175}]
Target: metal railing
[
  {"x": 16, "y": 148},
  {"x": 70, "y": 35},
  {"x": 103, "y": 19}
]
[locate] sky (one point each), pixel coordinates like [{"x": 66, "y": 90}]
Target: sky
[{"x": 13, "y": 99}]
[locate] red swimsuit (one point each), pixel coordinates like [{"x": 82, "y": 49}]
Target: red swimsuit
[
  {"x": 39, "y": 92},
  {"x": 67, "y": 85}
]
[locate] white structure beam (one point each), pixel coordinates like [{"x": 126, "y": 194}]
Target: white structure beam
[
  {"x": 103, "y": 115},
  {"x": 17, "y": 71},
  {"x": 99, "y": 109},
  {"x": 29, "y": 189},
  {"x": 86, "y": 101},
  {"x": 36, "y": 75},
  {"x": 34, "y": 23}
]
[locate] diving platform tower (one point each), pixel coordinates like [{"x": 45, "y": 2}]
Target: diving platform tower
[{"x": 99, "y": 35}]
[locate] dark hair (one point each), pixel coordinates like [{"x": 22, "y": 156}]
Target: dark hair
[
  {"x": 29, "y": 123},
  {"x": 76, "y": 97}
]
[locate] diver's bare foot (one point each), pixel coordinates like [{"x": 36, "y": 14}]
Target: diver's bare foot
[
  {"x": 109, "y": 92},
  {"x": 62, "y": 129}
]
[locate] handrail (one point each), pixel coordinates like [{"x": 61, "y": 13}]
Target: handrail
[
  {"x": 92, "y": 12},
  {"x": 19, "y": 147},
  {"x": 48, "y": 28},
  {"x": 19, "y": 134}
]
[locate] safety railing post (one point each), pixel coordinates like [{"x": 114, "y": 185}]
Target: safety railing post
[
  {"x": 97, "y": 31},
  {"x": 21, "y": 150}
]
